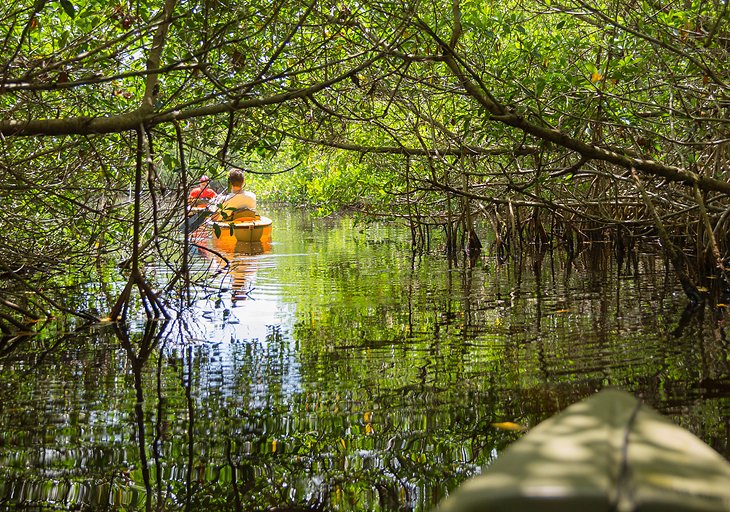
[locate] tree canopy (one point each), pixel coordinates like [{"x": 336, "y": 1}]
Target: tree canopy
[{"x": 554, "y": 123}]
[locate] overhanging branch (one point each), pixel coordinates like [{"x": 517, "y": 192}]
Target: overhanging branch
[
  {"x": 509, "y": 117},
  {"x": 132, "y": 120}
]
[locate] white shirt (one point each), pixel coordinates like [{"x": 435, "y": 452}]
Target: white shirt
[{"x": 238, "y": 200}]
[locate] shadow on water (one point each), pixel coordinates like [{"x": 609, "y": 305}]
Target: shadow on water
[{"x": 332, "y": 370}]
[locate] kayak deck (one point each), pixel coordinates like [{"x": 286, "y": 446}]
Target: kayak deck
[
  {"x": 607, "y": 453},
  {"x": 245, "y": 230}
]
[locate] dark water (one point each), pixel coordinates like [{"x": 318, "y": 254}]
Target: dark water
[{"x": 334, "y": 371}]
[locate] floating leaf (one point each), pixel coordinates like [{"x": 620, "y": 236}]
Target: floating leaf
[{"x": 508, "y": 425}]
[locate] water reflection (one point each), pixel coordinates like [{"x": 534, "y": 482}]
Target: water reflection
[
  {"x": 138, "y": 355},
  {"x": 240, "y": 261},
  {"x": 330, "y": 369}
]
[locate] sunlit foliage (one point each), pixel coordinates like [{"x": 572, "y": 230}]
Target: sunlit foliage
[{"x": 526, "y": 119}]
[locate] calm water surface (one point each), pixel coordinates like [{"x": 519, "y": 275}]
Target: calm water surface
[{"x": 331, "y": 370}]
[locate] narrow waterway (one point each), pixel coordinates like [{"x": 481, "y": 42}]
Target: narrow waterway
[{"x": 333, "y": 370}]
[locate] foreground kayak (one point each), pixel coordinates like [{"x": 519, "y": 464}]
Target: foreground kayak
[
  {"x": 256, "y": 229},
  {"x": 606, "y": 453}
]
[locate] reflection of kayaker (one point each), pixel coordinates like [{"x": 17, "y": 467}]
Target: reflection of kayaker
[
  {"x": 230, "y": 246},
  {"x": 203, "y": 194},
  {"x": 243, "y": 267},
  {"x": 240, "y": 259}
]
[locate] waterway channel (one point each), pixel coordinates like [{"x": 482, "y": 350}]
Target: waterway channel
[{"x": 334, "y": 370}]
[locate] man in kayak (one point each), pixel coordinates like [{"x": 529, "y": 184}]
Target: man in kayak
[
  {"x": 203, "y": 194},
  {"x": 238, "y": 203}
]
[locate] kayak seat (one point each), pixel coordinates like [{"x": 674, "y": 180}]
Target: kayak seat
[{"x": 242, "y": 214}]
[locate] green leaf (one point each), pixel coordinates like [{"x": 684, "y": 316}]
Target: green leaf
[
  {"x": 68, "y": 7},
  {"x": 63, "y": 39},
  {"x": 217, "y": 230},
  {"x": 169, "y": 161},
  {"x": 539, "y": 86}
]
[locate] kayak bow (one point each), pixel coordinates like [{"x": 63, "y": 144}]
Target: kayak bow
[{"x": 607, "y": 453}]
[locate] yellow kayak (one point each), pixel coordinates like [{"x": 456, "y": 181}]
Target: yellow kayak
[{"x": 257, "y": 229}]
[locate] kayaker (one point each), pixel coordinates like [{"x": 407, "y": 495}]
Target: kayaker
[
  {"x": 203, "y": 194},
  {"x": 238, "y": 198}
]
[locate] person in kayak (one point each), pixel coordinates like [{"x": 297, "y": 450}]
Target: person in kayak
[
  {"x": 238, "y": 203},
  {"x": 203, "y": 194}
]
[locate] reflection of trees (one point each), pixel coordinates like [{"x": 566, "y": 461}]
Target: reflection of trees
[
  {"x": 43, "y": 375},
  {"x": 397, "y": 394},
  {"x": 138, "y": 356},
  {"x": 21, "y": 344},
  {"x": 183, "y": 481}
]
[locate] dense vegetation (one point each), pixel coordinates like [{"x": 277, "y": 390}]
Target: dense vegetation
[{"x": 548, "y": 124}]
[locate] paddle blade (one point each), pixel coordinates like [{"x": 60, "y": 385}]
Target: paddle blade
[{"x": 195, "y": 221}]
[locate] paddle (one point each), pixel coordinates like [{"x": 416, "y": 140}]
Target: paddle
[{"x": 195, "y": 221}]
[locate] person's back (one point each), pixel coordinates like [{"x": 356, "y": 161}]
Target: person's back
[{"x": 238, "y": 199}]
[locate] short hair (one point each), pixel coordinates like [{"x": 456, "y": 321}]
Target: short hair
[{"x": 235, "y": 177}]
